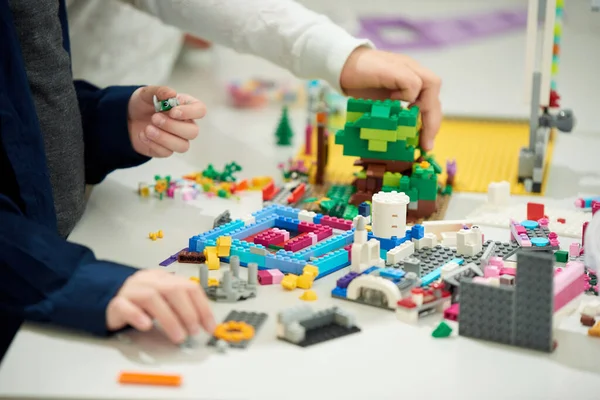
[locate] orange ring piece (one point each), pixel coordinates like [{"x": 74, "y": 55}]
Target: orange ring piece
[{"x": 234, "y": 331}]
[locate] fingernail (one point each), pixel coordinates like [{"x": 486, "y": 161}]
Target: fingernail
[
  {"x": 180, "y": 336},
  {"x": 143, "y": 137},
  {"x": 152, "y": 132},
  {"x": 176, "y": 113},
  {"x": 429, "y": 145},
  {"x": 159, "y": 119}
]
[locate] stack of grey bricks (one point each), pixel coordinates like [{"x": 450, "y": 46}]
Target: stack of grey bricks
[{"x": 519, "y": 315}]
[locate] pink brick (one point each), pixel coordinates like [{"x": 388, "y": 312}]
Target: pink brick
[
  {"x": 508, "y": 271},
  {"x": 520, "y": 229},
  {"x": 348, "y": 248},
  {"x": 496, "y": 261},
  {"x": 304, "y": 227},
  {"x": 480, "y": 279},
  {"x": 544, "y": 222},
  {"x": 323, "y": 232},
  {"x": 569, "y": 284},
  {"x": 265, "y": 277},
  {"x": 491, "y": 271},
  {"x": 313, "y": 237},
  {"x": 298, "y": 243},
  {"x": 451, "y": 313},
  {"x": 336, "y": 223},
  {"x": 272, "y": 236},
  {"x": 574, "y": 250},
  {"x": 277, "y": 275}
]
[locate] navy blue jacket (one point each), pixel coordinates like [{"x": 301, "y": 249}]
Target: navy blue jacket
[{"x": 43, "y": 277}]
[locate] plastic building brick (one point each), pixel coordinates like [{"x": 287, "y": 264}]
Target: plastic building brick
[
  {"x": 451, "y": 313},
  {"x": 377, "y": 287},
  {"x": 309, "y": 295},
  {"x": 191, "y": 257},
  {"x": 290, "y": 282},
  {"x": 304, "y": 327},
  {"x": 535, "y": 211},
  {"x": 469, "y": 241},
  {"x": 519, "y": 315},
  {"x": 443, "y": 330},
  {"x": 171, "y": 258},
  {"x": 234, "y": 332},
  {"x": 156, "y": 235},
  {"x": 223, "y": 246},
  {"x": 222, "y": 219},
  {"x": 255, "y": 320},
  {"x": 284, "y": 131},
  {"x": 568, "y": 284},
  {"x": 423, "y": 301},
  {"x": 139, "y": 378},
  {"x": 365, "y": 254},
  {"x": 231, "y": 288},
  {"x": 164, "y": 105},
  {"x": 388, "y": 218},
  {"x": 534, "y": 235},
  {"x": 212, "y": 258}
]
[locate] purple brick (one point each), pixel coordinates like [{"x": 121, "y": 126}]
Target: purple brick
[{"x": 345, "y": 280}]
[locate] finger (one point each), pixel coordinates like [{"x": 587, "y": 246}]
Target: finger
[
  {"x": 153, "y": 149},
  {"x": 200, "y": 302},
  {"x": 187, "y": 130},
  {"x": 430, "y": 106},
  {"x": 182, "y": 305},
  {"x": 405, "y": 83},
  {"x": 147, "y": 93},
  {"x": 431, "y": 119},
  {"x": 160, "y": 310},
  {"x": 189, "y": 108},
  {"x": 122, "y": 312},
  {"x": 167, "y": 140}
]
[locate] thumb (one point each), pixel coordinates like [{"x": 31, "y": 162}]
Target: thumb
[
  {"x": 122, "y": 312},
  {"x": 147, "y": 93}
]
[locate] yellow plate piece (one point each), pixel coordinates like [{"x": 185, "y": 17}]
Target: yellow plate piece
[
  {"x": 484, "y": 152},
  {"x": 234, "y": 331}
]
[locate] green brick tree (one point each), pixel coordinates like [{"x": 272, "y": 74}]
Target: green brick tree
[{"x": 284, "y": 131}]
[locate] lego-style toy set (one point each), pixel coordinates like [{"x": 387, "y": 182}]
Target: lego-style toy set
[{"x": 442, "y": 267}]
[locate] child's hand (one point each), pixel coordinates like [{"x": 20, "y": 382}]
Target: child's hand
[
  {"x": 162, "y": 134},
  {"x": 380, "y": 75},
  {"x": 177, "y": 304}
]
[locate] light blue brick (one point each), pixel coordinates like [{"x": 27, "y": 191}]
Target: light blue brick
[
  {"x": 331, "y": 262},
  {"x": 391, "y": 273},
  {"x": 253, "y": 229},
  {"x": 286, "y": 265}
]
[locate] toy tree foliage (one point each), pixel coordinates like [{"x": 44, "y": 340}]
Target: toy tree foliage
[
  {"x": 284, "y": 131},
  {"x": 382, "y": 130}
]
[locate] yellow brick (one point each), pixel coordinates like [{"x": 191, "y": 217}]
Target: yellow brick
[
  {"x": 305, "y": 281},
  {"x": 378, "y": 145},
  {"x": 309, "y": 295},
  {"x": 224, "y": 246},
  {"x": 289, "y": 282},
  {"x": 311, "y": 270}
]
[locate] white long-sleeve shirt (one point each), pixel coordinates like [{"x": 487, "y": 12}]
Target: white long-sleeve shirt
[{"x": 284, "y": 32}]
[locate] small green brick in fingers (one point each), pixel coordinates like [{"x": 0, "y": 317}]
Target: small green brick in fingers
[{"x": 165, "y": 105}]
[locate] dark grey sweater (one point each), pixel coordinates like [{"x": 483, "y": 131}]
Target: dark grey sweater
[{"x": 49, "y": 72}]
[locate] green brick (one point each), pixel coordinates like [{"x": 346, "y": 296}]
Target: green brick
[
  {"x": 405, "y": 132},
  {"x": 388, "y": 189},
  {"x": 397, "y": 151},
  {"x": 381, "y": 111},
  {"x": 377, "y": 134},
  {"x": 392, "y": 179},
  {"x": 378, "y": 145},
  {"x": 353, "y": 116},
  {"x": 561, "y": 256},
  {"x": 427, "y": 188},
  {"x": 360, "y": 175},
  {"x": 367, "y": 121},
  {"x": 359, "y": 105},
  {"x": 412, "y": 194},
  {"x": 350, "y": 212},
  {"x": 413, "y": 141},
  {"x": 408, "y": 117},
  {"x": 404, "y": 184}
]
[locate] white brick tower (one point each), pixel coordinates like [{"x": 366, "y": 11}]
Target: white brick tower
[{"x": 389, "y": 214}]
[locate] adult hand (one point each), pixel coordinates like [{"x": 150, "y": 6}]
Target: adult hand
[
  {"x": 178, "y": 305},
  {"x": 164, "y": 133},
  {"x": 379, "y": 75}
]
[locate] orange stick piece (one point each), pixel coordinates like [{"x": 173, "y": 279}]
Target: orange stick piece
[{"x": 138, "y": 378}]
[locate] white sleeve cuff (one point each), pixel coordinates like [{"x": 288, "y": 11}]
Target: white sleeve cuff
[{"x": 323, "y": 51}]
